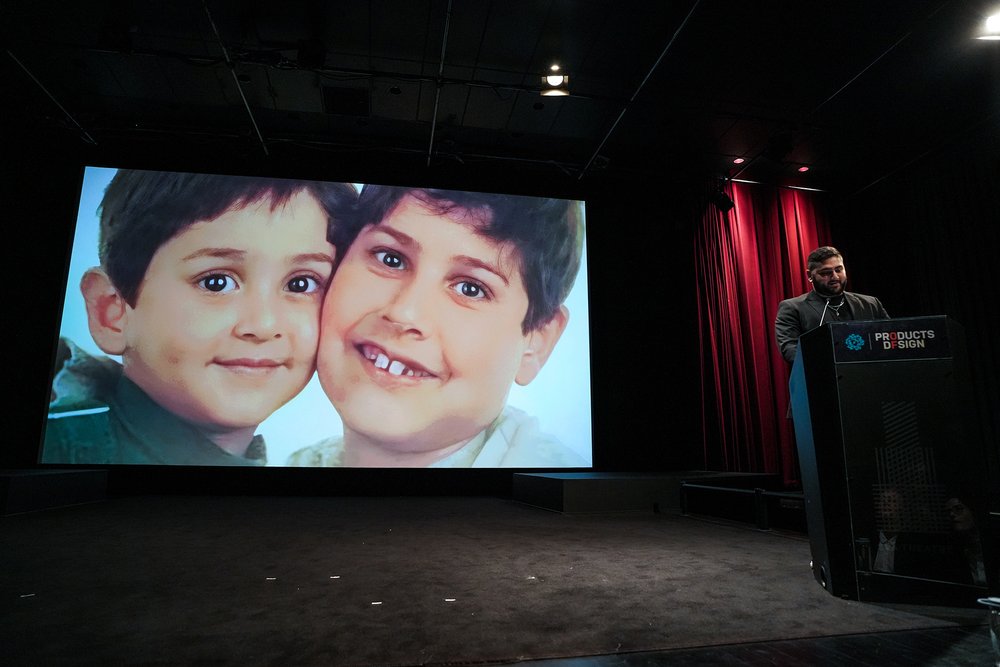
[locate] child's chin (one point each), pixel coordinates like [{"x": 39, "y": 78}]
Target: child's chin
[
  {"x": 414, "y": 438},
  {"x": 233, "y": 424},
  {"x": 242, "y": 419}
]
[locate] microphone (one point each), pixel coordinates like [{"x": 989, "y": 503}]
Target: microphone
[{"x": 825, "y": 306}]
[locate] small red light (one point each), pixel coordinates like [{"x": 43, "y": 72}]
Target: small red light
[
  {"x": 803, "y": 169},
  {"x": 739, "y": 160}
]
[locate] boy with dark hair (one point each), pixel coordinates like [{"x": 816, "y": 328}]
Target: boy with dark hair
[
  {"x": 440, "y": 302},
  {"x": 209, "y": 289}
]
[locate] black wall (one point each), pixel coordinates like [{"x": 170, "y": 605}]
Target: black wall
[{"x": 926, "y": 241}]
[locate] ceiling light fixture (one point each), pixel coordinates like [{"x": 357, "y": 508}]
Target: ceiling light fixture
[
  {"x": 556, "y": 83},
  {"x": 739, "y": 160},
  {"x": 803, "y": 169},
  {"x": 991, "y": 28}
]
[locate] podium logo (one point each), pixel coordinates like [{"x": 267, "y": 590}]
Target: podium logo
[
  {"x": 892, "y": 340},
  {"x": 854, "y": 342}
]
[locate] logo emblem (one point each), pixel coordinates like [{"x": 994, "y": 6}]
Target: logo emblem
[{"x": 854, "y": 342}]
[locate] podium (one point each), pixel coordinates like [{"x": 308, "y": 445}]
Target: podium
[{"x": 893, "y": 475}]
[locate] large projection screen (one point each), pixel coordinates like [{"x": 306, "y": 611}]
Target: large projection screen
[{"x": 545, "y": 424}]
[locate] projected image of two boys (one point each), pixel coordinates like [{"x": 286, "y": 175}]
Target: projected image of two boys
[{"x": 235, "y": 320}]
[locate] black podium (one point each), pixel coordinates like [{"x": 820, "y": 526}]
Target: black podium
[{"x": 894, "y": 477}]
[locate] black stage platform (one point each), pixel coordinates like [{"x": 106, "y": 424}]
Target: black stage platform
[
  {"x": 573, "y": 492},
  {"x": 31, "y": 490}
]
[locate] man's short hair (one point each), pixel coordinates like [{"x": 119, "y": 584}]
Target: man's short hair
[
  {"x": 820, "y": 255},
  {"x": 142, "y": 210},
  {"x": 546, "y": 233}
]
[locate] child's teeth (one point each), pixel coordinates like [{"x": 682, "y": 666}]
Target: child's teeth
[{"x": 381, "y": 360}]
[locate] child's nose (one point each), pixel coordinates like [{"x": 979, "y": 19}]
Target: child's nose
[
  {"x": 409, "y": 308},
  {"x": 258, "y": 318}
]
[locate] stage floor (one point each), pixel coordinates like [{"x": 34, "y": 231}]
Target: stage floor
[{"x": 402, "y": 581}]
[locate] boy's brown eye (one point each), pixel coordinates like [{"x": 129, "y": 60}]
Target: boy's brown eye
[
  {"x": 216, "y": 283},
  {"x": 301, "y": 284},
  {"x": 390, "y": 259},
  {"x": 471, "y": 290}
]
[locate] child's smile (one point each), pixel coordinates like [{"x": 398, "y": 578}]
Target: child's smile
[
  {"x": 398, "y": 367},
  {"x": 225, "y": 327},
  {"x": 421, "y": 336},
  {"x": 252, "y": 367}
]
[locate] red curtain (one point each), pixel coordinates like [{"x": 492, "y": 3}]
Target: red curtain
[{"x": 746, "y": 261}]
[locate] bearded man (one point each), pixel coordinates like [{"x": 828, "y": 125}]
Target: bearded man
[{"x": 827, "y": 301}]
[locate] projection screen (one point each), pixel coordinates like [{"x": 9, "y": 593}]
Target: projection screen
[{"x": 203, "y": 350}]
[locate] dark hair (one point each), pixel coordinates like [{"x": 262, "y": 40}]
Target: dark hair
[
  {"x": 142, "y": 210},
  {"x": 546, "y": 233},
  {"x": 820, "y": 255}
]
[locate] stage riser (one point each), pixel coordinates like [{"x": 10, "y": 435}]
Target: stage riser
[
  {"x": 605, "y": 492},
  {"x": 32, "y": 490},
  {"x": 758, "y": 506}
]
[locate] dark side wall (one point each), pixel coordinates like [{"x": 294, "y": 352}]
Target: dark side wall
[
  {"x": 925, "y": 240},
  {"x": 643, "y": 328}
]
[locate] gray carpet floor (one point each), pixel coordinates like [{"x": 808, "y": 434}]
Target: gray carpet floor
[{"x": 170, "y": 580}]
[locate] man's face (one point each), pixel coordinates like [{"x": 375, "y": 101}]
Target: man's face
[
  {"x": 830, "y": 278},
  {"x": 225, "y": 327},
  {"x": 421, "y": 336},
  {"x": 961, "y": 517}
]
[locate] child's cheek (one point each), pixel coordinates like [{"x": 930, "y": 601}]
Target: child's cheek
[{"x": 304, "y": 328}]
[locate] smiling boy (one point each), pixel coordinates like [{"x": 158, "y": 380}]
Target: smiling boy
[
  {"x": 442, "y": 300},
  {"x": 209, "y": 289}
]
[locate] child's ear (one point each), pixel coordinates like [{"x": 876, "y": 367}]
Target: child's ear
[
  {"x": 541, "y": 342},
  {"x": 106, "y": 311}
]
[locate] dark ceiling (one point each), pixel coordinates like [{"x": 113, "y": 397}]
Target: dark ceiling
[{"x": 853, "y": 90}]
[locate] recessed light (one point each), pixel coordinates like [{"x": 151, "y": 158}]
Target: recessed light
[
  {"x": 739, "y": 160},
  {"x": 991, "y": 29},
  {"x": 803, "y": 169},
  {"x": 556, "y": 82}
]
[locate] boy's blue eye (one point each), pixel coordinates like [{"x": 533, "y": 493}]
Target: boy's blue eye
[
  {"x": 389, "y": 258},
  {"x": 303, "y": 284},
  {"x": 217, "y": 282}
]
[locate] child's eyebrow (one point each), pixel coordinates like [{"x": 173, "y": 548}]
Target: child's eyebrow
[
  {"x": 235, "y": 254},
  {"x": 408, "y": 241},
  {"x": 221, "y": 253},
  {"x": 401, "y": 238},
  {"x": 475, "y": 262},
  {"x": 321, "y": 257}
]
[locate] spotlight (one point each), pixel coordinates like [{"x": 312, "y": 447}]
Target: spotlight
[
  {"x": 556, "y": 83},
  {"x": 991, "y": 29},
  {"x": 722, "y": 201},
  {"x": 803, "y": 169}
]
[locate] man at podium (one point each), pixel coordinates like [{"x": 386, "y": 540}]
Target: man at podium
[{"x": 827, "y": 301}]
